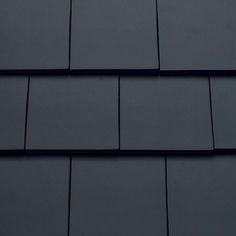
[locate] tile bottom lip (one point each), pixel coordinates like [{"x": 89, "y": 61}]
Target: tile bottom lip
[
  {"x": 130, "y": 72},
  {"x": 117, "y": 152}
]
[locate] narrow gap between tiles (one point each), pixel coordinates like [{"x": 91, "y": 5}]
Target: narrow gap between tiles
[
  {"x": 119, "y": 112},
  {"x": 26, "y": 112},
  {"x": 211, "y": 111},
  {"x": 69, "y": 197},
  {"x": 70, "y": 30},
  {"x": 158, "y": 37},
  {"x": 166, "y": 193}
]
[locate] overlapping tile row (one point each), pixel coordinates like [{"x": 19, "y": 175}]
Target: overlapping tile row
[
  {"x": 114, "y": 195},
  {"x": 118, "y": 35},
  {"x": 112, "y": 113}
]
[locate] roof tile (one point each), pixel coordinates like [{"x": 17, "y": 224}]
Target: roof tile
[
  {"x": 223, "y": 90},
  {"x": 34, "y": 195},
  {"x": 165, "y": 113},
  {"x": 34, "y": 34},
  {"x": 118, "y": 196},
  {"x": 111, "y": 34},
  {"x": 13, "y": 97},
  {"x": 201, "y": 195},
  {"x": 73, "y": 113},
  {"x": 197, "y": 35}
]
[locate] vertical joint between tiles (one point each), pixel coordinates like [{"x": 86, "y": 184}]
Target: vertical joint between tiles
[
  {"x": 158, "y": 37},
  {"x": 119, "y": 112},
  {"x": 211, "y": 112},
  {"x": 70, "y": 29},
  {"x": 69, "y": 196},
  {"x": 26, "y": 112},
  {"x": 166, "y": 193}
]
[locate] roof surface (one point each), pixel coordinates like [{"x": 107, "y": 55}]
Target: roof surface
[
  {"x": 110, "y": 75},
  {"x": 117, "y": 117}
]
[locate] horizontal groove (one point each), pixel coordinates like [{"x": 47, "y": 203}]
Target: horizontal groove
[
  {"x": 117, "y": 152},
  {"x": 198, "y": 72},
  {"x": 35, "y": 72},
  {"x": 136, "y": 72},
  {"x": 81, "y": 72}
]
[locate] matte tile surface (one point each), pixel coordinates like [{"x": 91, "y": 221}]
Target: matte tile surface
[
  {"x": 34, "y": 34},
  {"x": 13, "y": 96},
  {"x": 111, "y": 34},
  {"x": 34, "y": 196},
  {"x": 168, "y": 113},
  {"x": 73, "y": 113},
  {"x": 223, "y": 90},
  {"x": 201, "y": 193},
  {"x": 118, "y": 196},
  {"x": 197, "y": 35}
]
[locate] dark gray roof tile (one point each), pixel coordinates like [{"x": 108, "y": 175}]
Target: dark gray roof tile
[
  {"x": 13, "y": 98},
  {"x": 197, "y": 35},
  {"x": 110, "y": 34},
  {"x": 34, "y": 195},
  {"x": 73, "y": 113},
  {"x": 34, "y": 34},
  {"x": 118, "y": 196},
  {"x": 223, "y": 90},
  {"x": 201, "y": 195},
  {"x": 167, "y": 113}
]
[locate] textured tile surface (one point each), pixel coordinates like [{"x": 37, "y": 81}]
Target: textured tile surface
[
  {"x": 201, "y": 193},
  {"x": 111, "y": 34},
  {"x": 223, "y": 90},
  {"x": 34, "y": 34},
  {"x": 34, "y": 196},
  {"x": 168, "y": 113},
  {"x": 13, "y": 94},
  {"x": 118, "y": 196},
  {"x": 197, "y": 35},
  {"x": 73, "y": 113}
]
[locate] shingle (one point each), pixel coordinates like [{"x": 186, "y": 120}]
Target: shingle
[
  {"x": 34, "y": 195},
  {"x": 197, "y": 35},
  {"x": 73, "y": 113},
  {"x": 111, "y": 34},
  {"x": 167, "y": 113},
  {"x": 13, "y": 96},
  {"x": 118, "y": 196},
  {"x": 223, "y": 90},
  {"x": 201, "y": 194},
  {"x": 34, "y": 34}
]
